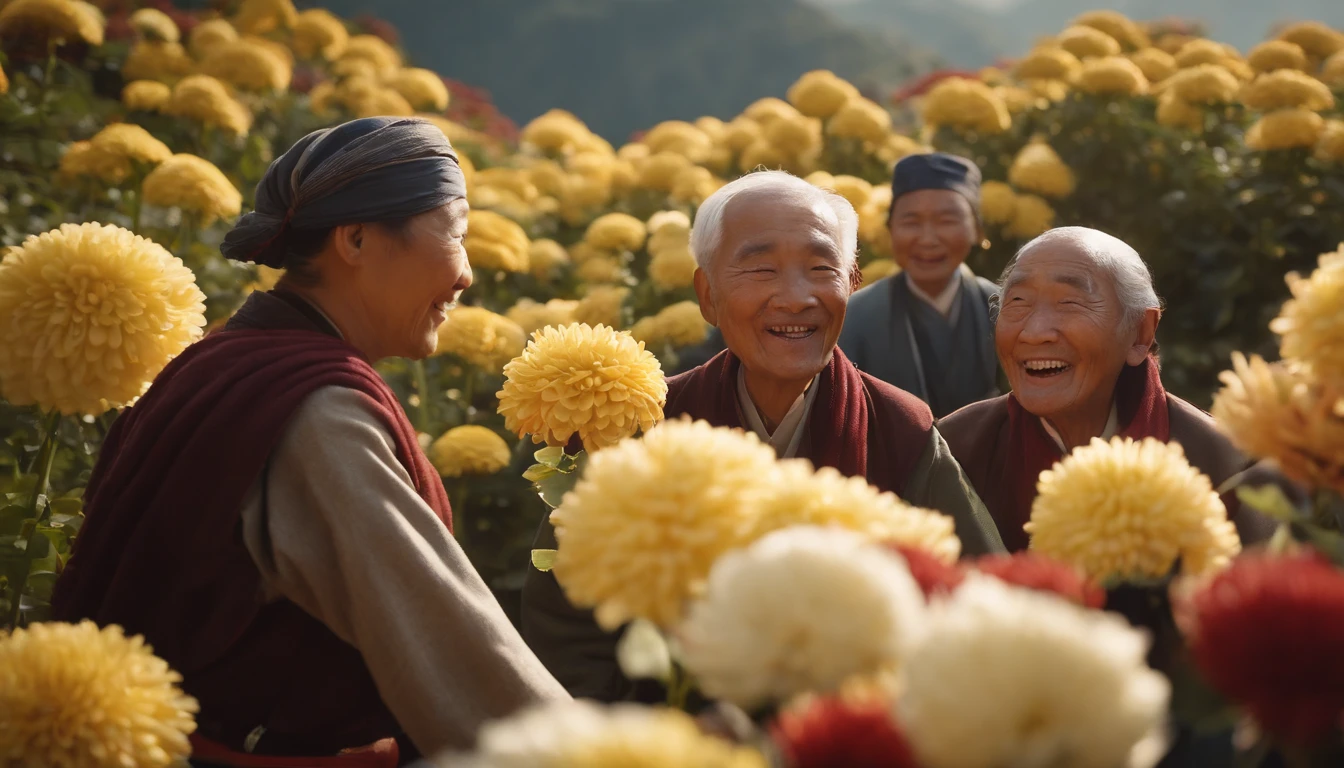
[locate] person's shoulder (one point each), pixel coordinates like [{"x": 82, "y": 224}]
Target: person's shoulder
[
  {"x": 871, "y": 296},
  {"x": 1205, "y": 445},
  {"x": 974, "y": 425},
  {"x": 897, "y": 405},
  {"x": 987, "y": 287},
  {"x": 334, "y": 413},
  {"x": 975, "y": 413}
]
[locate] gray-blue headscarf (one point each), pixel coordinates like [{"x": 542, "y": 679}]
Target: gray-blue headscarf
[{"x": 367, "y": 170}]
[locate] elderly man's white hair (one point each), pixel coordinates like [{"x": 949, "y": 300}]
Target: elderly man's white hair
[
  {"x": 1116, "y": 258},
  {"x": 708, "y": 230}
]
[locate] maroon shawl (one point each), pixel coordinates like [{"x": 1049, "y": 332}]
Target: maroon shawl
[
  {"x": 859, "y": 425},
  {"x": 161, "y": 552}
]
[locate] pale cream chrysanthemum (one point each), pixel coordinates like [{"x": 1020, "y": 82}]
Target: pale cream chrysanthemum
[
  {"x": 658, "y": 221},
  {"x": 1112, "y": 75},
  {"x": 821, "y": 93},
  {"x": 131, "y": 142},
  {"x": 1048, "y": 63},
  {"x": 681, "y": 138},
  {"x": 966, "y": 104},
  {"x": 545, "y": 257},
  {"x": 1315, "y": 38},
  {"x": 1310, "y": 323},
  {"x": 603, "y": 269},
  {"x": 1292, "y": 128},
  {"x": 672, "y": 268},
  {"x": 90, "y": 314},
  {"x": 145, "y": 95},
  {"x": 1038, "y": 168},
  {"x": 1272, "y": 55},
  {"x": 192, "y": 184},
  {"x": 1331, "y": 146},
  {"x": 207, "y": 100},
  {"x": 155, "y": 60},
  {"x": 256, "y": 17},
  {"x": 584, "y": 734},
  {"x": 534, "y": 315},
  {"x": 320, "y": 33},
  {"x": 423, "y": 89},
  {"x": 1011, "y": 676},
  {"x": 802, "y": 610},
  {"x": 1124, "y": 510},
  {"x": 248, "y": 65},
  {"x": 469, "y": 450},
  {"x": 598, "y": 383},
  {"x": 1174, "y": 112},
  {"x": 1087, "y": 42},
  {"x": 1156, "y": 64},
  {"x": 878, "y": 269},
  {"x": 1031, "y": 216},
  {"x": 1287, "y": 88},
  {"x": 998, "y": 202},
  {"x": 153, "y": 24},
  {"x": 1203, "y": 84},
  {"x": 210, "y": 33},
  {"x": 481, "y": 337},
  {"x": 860, "y": 118},
  {"x": 616, "y": 232},
  {"x": 556, "y": 131},
  {"x": 1117, "y": 25},
  {"x": 496, "y": 242},
  {"x": 603, "y": 305},
  {"x": 648, "y": 519},
  {"x": 1282, "y": 413},
  {"x": 77, "y": 696},
  {"x": 55, "y": 20},
  {"x": 677, "y": 325},
  {"x": 81, "y": 158}
]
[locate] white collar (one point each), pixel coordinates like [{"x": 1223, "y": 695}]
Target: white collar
[
  {"x": 789, "y": 434},
  {"x": 1107, "y": 432},
  {"x": 944, "y": 301}
]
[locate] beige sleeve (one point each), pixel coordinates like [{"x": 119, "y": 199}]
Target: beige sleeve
[{"x": 346, "y": 537}]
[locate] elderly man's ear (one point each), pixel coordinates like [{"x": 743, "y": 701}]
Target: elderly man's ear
[
  {"x": 1144, "y": 336},
  {"x": 702, "y": 294}
]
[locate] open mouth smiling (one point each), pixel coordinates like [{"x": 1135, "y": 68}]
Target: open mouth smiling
[
  {"x": 791, "y": 332},
  {"x": 1045, "y": 369}
]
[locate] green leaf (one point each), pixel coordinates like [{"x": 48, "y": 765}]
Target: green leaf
[
  {"x": 67, "y": 506},
  {"x": 1270, "y": 500},
  {"x": 553, "y": 488},
  {"x": 543, "y": 559},
  {"x": 39, "y": 546},
  {"x": 41, "y": 584},
  {"x": 550, "y": 455},
  {"x": 538, "y": 472}
]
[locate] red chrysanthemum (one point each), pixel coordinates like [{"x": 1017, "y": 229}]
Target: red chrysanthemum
[
  {"x": 1034, "y": 571},
  {"x": 933, "y": 575},
  {"x": 836, "y": 733},
  {"x": 1268, "y": 633}
]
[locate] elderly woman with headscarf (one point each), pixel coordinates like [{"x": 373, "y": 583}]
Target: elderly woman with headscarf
[
  {"x": 264, "y": 515},
  {"x": 1075, "y": 331}
]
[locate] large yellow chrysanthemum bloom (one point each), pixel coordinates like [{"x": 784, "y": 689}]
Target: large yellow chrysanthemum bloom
[
  {"x": 603, "y": 305},
  {"x": 1087, "y": 42},
  {"x": 319, "y": 33},
  {"x": 193, "y": 184},
  {"x": 1117, "y": 25},
  {"x": 374, "y": 50},
  {"x": 998, "y": 202},
  {"x": 131, "y": 142},
  {"x": 672, "y": 268},
  {"x": 248, "y": 65},
  {"x": 496, "y": 242},
  {"x": 1048, "y": 63},
  {"x": 557, "y": 131},
  {"x": 1287, "y": 88},
  {"x": 1156, "y": 64},
  {"x": 660, "y": 170},
  {"x": 481, "y": 337},
  {"x": 1203, "y": 84},
  {"x": 878, "y": 269},
  {"x": 1311, "y": 324},
  {"x": 1174, "y": 112},
  {"x": 145, "y": 95},
  {"x": 76, "y": 696},
  {"x": 1286, "y": 129},
  {"x": 821, "y": 93},
  {"x": 677, "y": 325},
  {"x": 616, "y": 232},
  {"x": 154, "y": 60},
  {"x": 90, "y": 314},
  {"x": 533, "y": 315},
  {"x": 966, "y": 104},
  {"x": 257, "y": 17},
  {"x": 824, "y": 497},
  {"x": 423, "y": 89},
  {"x": 862, "y": 119},
  {"x": 1123, "y": 510},
  {"x": 1331, "y": 146},
  {"x": 56, "y": 20},
  {"x": 210, "y": 33},
  {"x": 545, "y": 257},
  {"x": 82, "y": 159},
  {"x": 1315, "y": 38},
  {"x": 1272, "y": 55},
  {"x": 1038, "y": 168},
  {"x": 794, "y": 136},
  {"x": 153, "y": 24},
  {"x": 469, "y": 450},
  {"x": 1112, "y": 75},
  {"x": 598, "y": 383},
  {"x": 643, "y": 526},
  {"x": 1031, "y": 216},
  {"x": 207, "y": 100}
]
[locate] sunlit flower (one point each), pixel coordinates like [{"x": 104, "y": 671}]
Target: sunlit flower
[
  {"x": 1204, "y": 84},
  {"x": 827, "y": 732},
  {"x": 616, "y": 232},
  {"x": 1016, "y": 99},
  {"x": 800, "y": 611},
  {"x": 533, "y": 315},
  {"x": 1331, "y": 146},
  {"x": 603, "y": 305},
  {"x": 672, "y": 268},
  {"x": 769, "y": 109},
  {"x": 556, "y": 131},
  {"x": 1272, "y": 55},
  {"x": 207, "y": 100},
  {"x": 1332, "y": 71},
  {"x": 878, "y": 269},
  {"x": 81, "y": 158},
  {"x": 761, "y": 154},
  {"x": 422, "y": 89},
  {"x": 145, "y": 95},
  {"x": 1087, "y": 42},
  {"x": 1174, "y": 112},
  {"x": 1050, "y": 90},
  {"x": 469, "y": 450},
  {"x": 1292, "y": 128},
  {"x": 602, "y": 269},
  {"x": 680, "y": 138},
  {"x": 1032, "y": 571},
  {"x": 1315, "y": 38},
  {"x": 1123, "y": 510},
  {"x": 1117, "y": 25},
  {"x": 257, "y": 17},
  {"x": 852, "y": 188},
  {"x": 1112, "y": 75},
  {"x": 659, "y": 171},
  {"x": 796, "y": 135},
  {"x": 153, "y": 24},
  {"x": 820, "y": 93},
  {"x": 693, "y": 185},
  {"x": 859, "y": 118},
  {"x": 91, "y": 314},
  {"x": 1310, "y": 323},
  {"x": 1287, "y": 88},
  {"x": 998, "y": 202},
  {"x": 210, "y": 33},
  {"x": 154, "y": 60},
  {"x": 1199, "y": 51},
  {"x": 1048, "y": 63},
  {"x": 56, "y": 20},
  {"x": 1031, "y": 216},
  {"x": 192, "y": 184},
  {"x": 967, "y": 104},
  {"x": 740, "y": 133},
  {"x": 481, "y": 337},
  {"x": 661, "y": 220},
  {"x": 676, "y": 325},
  {"x": 318, "y": 32},
  {"x": 1038, "y": 168},
  {"x": 545, "y": 257},
  {"x": 1156, "y": 64},
  {"x": 131, "y": 142},
  {"x": 248, "y": 65},
  {"x": 496, "y": 242}
]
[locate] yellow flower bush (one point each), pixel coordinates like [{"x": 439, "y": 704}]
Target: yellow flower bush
[
  {"x": 602, "y": 305},
  {"x": 1038, "y": 168},
  {"x": 496, "y": 242},
  {"x": 153, "y": 24},
  {"x": 1331, "y": 146},
  {"x": 208, "y": 101},
  {"x": 469, "y": 450},
  {"x": 1286, "y": 129},
  {"x": 557, "y": 131},
  {"x": 91, "y": 314},
  {"x": 602, "y": 269},
  {"x": 1155, "y": 64},
  {"x": 481, "y": 337},
  {"x": 641, "y": 529},
  {"x": 680, "y": 138},
  {"x": 1203, "y": 84},
  {"x": 162, "y": 61},
  {"x": 57, "y": 20},
  {"x": 1199, "y": 52},
  {"x": 1117, "y": 25},
  {"x": 248, "y": 65},
  {"x": 319, "y": 33},
  {"x": 1273, "y": 55},
  {"x": 1031, "y": 216},
  {"x": 83, "y": 159},
  {"x": 1332, "y": 72},
  {"x": 998, "y": 202},
  {"x": 852, "y": 188},
  {"x": 1285, "y": 89},
  {"x": 257, "y": 17},
  {"x": 1128, "y": 510},
  {"x": 677, "y": 325},
  {"x": 192, "y": 184},
  {"x": 210, "y": 33},
  {"x": 877, "y": 269},
  {"x": 770, "y": 109},
  {"x": 1112, "y": 75},
  {"x": 1087, "y": 42},
  {"x": 598, "y": 383},
  {"x": 1176, "y": 113},
  {"x": 534, "y": 315},
  {"x": 145, "y": 95},
  {"x": 1049, "y": 63},
  {"x": 75, "y": 695},
  {"x": 616, "y": 232},
  {"x": 545, "y": 257},
  {"x": 821, "y": 93},
  {"x": 422, "y": 89},
  {"x": 672, "y": 268},
  {"x": 659, "y": 171},
  {"x": 1315, "y": 38},
  {"x": 1310, "y": 324},
  {"x": 861, "y": 119},
  {"x": 131, "y": 142},
  {"x": 794, "y": 136},
  {"x": 966, "y": 104}
]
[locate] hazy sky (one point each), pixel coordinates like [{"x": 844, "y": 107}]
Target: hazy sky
[{"x": 992, "y": 4}]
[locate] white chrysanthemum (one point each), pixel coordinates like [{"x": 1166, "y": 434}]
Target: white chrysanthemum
[
  {"x": 802, "y": 610},
  {"x": 1013, "y": 677}
]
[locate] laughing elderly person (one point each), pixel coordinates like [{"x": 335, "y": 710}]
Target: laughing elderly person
[
  {"x": 1075, "y": 333},
  {"x": 776, "y": 260}
]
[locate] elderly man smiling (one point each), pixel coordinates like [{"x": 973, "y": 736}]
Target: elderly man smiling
[
  {"x": 777, "y": 265},
  {"x": 1075, "y": 333}
]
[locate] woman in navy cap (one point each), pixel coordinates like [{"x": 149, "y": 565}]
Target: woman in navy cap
[{"x": 927, "y": 329}]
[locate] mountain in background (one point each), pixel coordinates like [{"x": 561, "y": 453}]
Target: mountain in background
[{"x": 624, "y": 65}]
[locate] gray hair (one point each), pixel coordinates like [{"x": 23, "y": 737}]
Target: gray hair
[
  {"x": 1128, "y": 273},
  {"x": 707, "y": 233}
]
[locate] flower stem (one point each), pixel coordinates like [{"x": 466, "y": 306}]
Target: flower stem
[
  {"x": 422, "y": 412},
  {"x": 45, "y": 458}
]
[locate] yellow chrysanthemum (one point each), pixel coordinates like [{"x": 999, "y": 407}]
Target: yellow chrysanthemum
[
  {"x": 966, "y": 104},
  {"x": 545, "y": 257},
  {"x": 374, "y": 50},
  {"x": 1155, "y": 64},
  {"x": 469, "y": 450},
  {"x": 1016, "y": 99},
  {"x": 1112, "y": 75},
  {"x": 145, "y": 95},
  {"x": 741, "y": 133},
  {"x": 761, "y": 154},
  {"x": 598, "y": 383},
  {"x": 162, "y": 61},
  {"x": 481, "y": 337},
  {"x": 794, "y": 136},
  {"x": 556, "y": 131},
  {"x": 1285, "y": 129},
  {"x": 897, "y": 146},
  {"x": 1287, "y": 88},
  {"x": 1048, "y": 63},
  {"x": 679, "y": 137},
  {"x": 852, "y": 188},
  {"x": 639, "y": 532},
  {"x": 878, "y": 269},
  {"x": 1203, "y": 84},
  {"x": 210, "y": 33},
  {"x": 131, "y": 142},
  {"x": 616, "y": 232},
  {"x": 192, "y": 184},
  {"x": 1332, "y": 71},
  {"x": 1123, "y": 510},
  {"x": 153, "y": 24},
  {"x": 1273, "y": 55},
  {"x": 533, "y": 315},
  {"x": 824, "y": 497},
  {"x": 1315, "y": 38},
  {"x": 257, "y": 17},
  {"x": 1038, "y": 168},
  {"x": 672, "y": 268},
  {"x": 1310, "y": 323},
  {"x": 379, "y": 102},
  {"x": 515, "y": 180},
  {"x": 998, "y": 202},
  {"x": 75, "y": 695},
  {"x": 674, "y": 222},
  {"x": 1031, "y": 216},
  {"x": 319, "y": 33},
  {"x": 862, "y": 119},
  {"x": 207, "y": 100},
  {"x": 770, "y": 109},
  {"x": 1331, "y": 146},
  {"x": 91, "y": 314},
  {"x": 659, "y": 171},
  {"x": 1274, "y": 411},
  {"x": 56, "y": 20},
  {"x": 602, "y": 305},
  {"x": 1199, "y": 52},
  {"x": 4, "y": 82},
  {"x": 1176, "y": 113},
  {"x": 83, "y": 159},
  {"x": 603, "y": 269},
  {"x": 248, "y": 65},
  {"x": 1117, "y": 25},
  {"x": 693, "y": 185},
  {"x": 677, "y": 325},
  {"x": 1050, "y": 90},
  {"x": 496, "y": 242},
  {"x": 424, "y": 89},
  {"x": 1087, "y": 42},
  {"x": 821, "y": 93}
]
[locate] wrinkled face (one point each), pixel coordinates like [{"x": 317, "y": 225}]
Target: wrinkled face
[
  {"x": 1062, "y": 335},
  {"x": 778, "y": 284},
  {"x": 932, "y": 232},
  {"x": 410, "y": 279}
]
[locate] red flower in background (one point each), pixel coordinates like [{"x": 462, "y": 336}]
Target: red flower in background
[
  {"x": 933, "y": 575},
  {"x": 1033, "y": 571},
  {"x": 924, "y": 83},
  {"x": 1269, "y": 634},
  {"x": 834, "y": 733}
]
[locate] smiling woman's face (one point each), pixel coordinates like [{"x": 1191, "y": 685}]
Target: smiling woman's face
[
  {"x": 932, "y": 233},
  {"x": 778, "y": 284}
]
